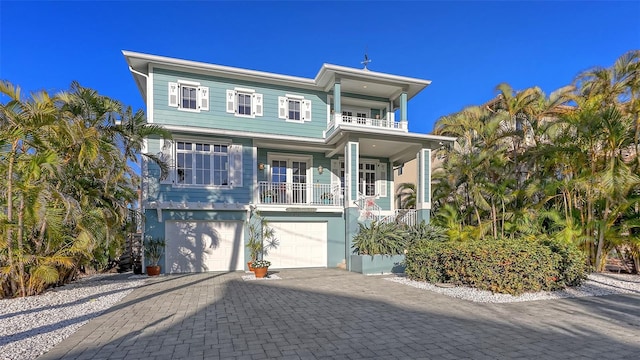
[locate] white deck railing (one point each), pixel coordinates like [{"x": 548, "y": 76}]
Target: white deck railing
[
  {"x": 368, "y": 122},
  {"x": 299, "y": 194}
]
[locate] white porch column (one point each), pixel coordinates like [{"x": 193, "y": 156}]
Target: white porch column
[
  {"x": 351, "y": 161},
  {"x": 423, "y": 185}
]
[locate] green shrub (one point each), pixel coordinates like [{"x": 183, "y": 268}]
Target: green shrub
[
  {"x": 572, "y": 268},
  {"x": 503, "y": 266},
  {"x": 379, "y": 239}
]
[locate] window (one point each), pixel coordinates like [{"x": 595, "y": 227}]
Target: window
[
  {"x": 188, "y": 96},
  {"x": 294, "y": 108},
  {"x": 367, "y": 178},
  {"x": 202, "y": 164},
  {"x": 372, "y": 177},
  {"x": 244, "y": 102}
]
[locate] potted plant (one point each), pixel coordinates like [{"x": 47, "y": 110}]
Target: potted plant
[
  {"x": 268, "y": 196},
  {"x": 153, "y": 250},
  {"x": 327, "y": 197},
  {"x": 261, "y": 268},
  {"x": 261, "y": 238}
]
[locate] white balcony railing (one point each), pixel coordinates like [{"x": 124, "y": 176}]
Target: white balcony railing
[
  {"x": 299, "y": 194},
  {"x": 389, "y": 123}
]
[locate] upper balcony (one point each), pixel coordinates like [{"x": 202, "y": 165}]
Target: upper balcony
[{"x": 388, "y": 122}]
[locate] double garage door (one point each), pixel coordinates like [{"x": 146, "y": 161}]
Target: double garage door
[{"x": 197, "y": 246}]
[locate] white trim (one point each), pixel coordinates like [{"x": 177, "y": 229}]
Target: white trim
[
  {"x": 193, "y": 205},
  {"x": 254, "y": 161},
  {"x": 244, "y": 90},
  {"x": 297, "y": 97},
  {"x": 300, "y": 208},
  {"x": 234, "y": 133},
  {"x": 150, "y": 104},
  {"x": 189, "y": 83}
]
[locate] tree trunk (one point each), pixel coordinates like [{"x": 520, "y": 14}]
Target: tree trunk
[
  {"x": 599, "y": 254},
  {"x": 21, "y": 251},
  {"x": 12, "y": 156}
]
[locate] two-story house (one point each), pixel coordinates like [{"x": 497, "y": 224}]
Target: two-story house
[{"x": 314, "y": 156}]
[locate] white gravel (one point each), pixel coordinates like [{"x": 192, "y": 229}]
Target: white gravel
[
  {"x": 595, "y": 285},
  {"x": 31, "y": 326}
]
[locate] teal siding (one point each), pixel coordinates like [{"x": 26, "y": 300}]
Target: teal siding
[
  {"x": 218, "y": 118},
  {"x": 335, "y": 231},
  {"x": 168, "y": 192}
]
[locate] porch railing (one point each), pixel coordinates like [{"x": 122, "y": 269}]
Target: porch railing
[
  {"x": 388, "y": 123},
  {"x": 299, "y": 194}
]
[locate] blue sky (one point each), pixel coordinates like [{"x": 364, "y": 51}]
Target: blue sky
[{"x": 465, "y": 48}]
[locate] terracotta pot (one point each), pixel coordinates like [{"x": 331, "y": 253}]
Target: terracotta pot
[
  {"x": 249, "y": 265},
  {"x": 261, "y": 272},
  {"x": 153, "y": 270}
]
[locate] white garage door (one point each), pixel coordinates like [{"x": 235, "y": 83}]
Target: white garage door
[
  {"x": 300, "y": 245},
  {"x": 197, "y": 246}
]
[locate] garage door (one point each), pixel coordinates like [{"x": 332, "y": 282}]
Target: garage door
[
  {"x": 197, "y": 246},
  {"x": 300, "y": 245}
]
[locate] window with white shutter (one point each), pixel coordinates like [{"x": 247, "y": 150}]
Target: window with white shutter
[
  {"x": 188, "y": 96},
  {"x": 168, "y": 157},
  {"x": 381, "y": 186},
  {"x": 244, "y": 103},
  {"x": 294, "y": 108}
]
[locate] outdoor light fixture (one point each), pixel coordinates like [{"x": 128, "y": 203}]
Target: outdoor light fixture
[
  {"x": 320, "y": 169},
  {"x": 261, "y": 166}
]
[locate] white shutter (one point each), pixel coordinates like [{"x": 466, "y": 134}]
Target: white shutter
[
  {"x": 381, "y": 180},
  {"x": 231, "y": 101},
  {"x": 167, "y": 154},
  {"x": 235, "y": 165},
  {"x": 306, "y": 110},
  {"x": 173, "y": 94},
  {"x": 257, "y": 103},
  {"x": 203, "y": 94},
  {"x": 282, "y": 107}
]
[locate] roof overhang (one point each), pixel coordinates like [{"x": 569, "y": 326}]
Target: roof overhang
[{"x": 352, "y": 80}]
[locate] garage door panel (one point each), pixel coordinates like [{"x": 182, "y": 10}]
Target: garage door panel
[
  {"x": 197, "y": 246},
  {"x": 300, "y": 245}
]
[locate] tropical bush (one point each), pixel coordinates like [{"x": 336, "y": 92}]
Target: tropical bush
[
  {"x": 66, "y": 183},
  {"x": 378, "y": 238},
  {"x": 425, "y": 232},
  {"x": 511, "y": 266}
]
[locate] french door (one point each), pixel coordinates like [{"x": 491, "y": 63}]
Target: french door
[{"x": 289, "y": 179}]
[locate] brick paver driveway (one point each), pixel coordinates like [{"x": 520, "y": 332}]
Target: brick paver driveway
[{"x": 333, "y": 314}]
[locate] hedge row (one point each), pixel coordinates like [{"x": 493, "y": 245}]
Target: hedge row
[{"x": 503, "y": 266}]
